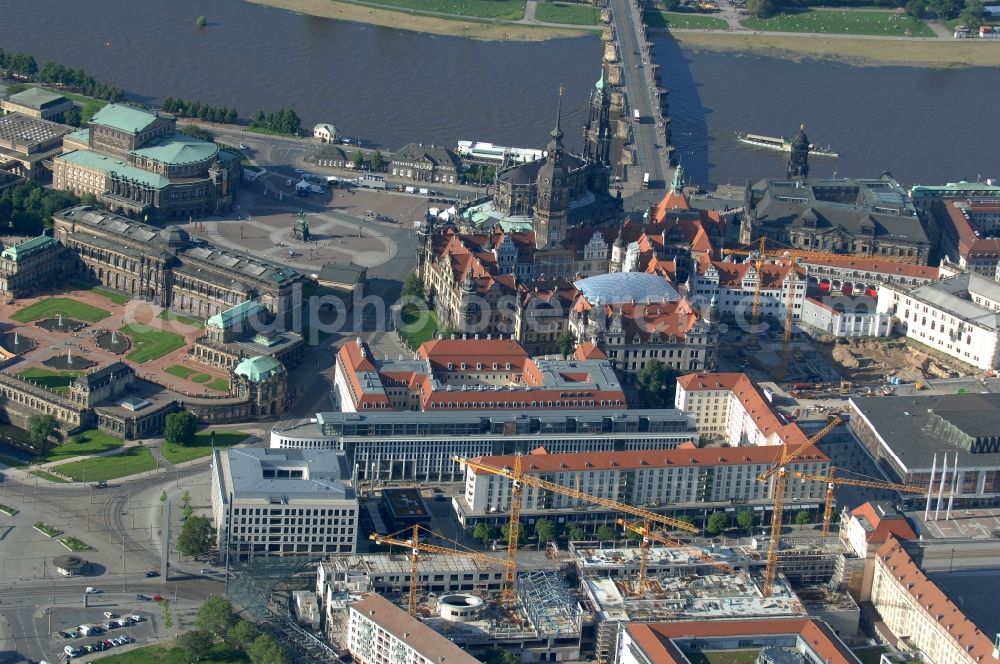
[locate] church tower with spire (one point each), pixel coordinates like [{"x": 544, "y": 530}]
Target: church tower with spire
[
  {"x": 597, "y": 131},
  {"x": 552, "y": 203},
  {"x": 798, "y": 158}
]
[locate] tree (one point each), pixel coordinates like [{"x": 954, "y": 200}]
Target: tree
[
  {"x": 802, "y": 518},
  {"x": 186, "y": 510},
  {"x": 163, "y": 496},
  {"x": 377, "y": 161},
  {"x": 215, "y": 616},
  {"x": 972, "y": 16},
  {"x": 484, "y": 533},
  {"x": 265, "y": 650},
  {"x": 497, "y": 655},
  {"x": 545, "y": 530},
  {"x": 89, "y": 110},
  {"x": 745, "y": 520},
  {"x": 566, "y": 342},
  {"x": 196, "y": 644},
  {"x": 231, "y": 115},
  {"x": 197, "y": 536},
  {"x": 575, "y": 533},
  {"x": 686, "y": 519},
  {"x": 760, "y": 8},
  {"x": 359, "y": 160},
  {"x": 606, "y": 532},
  {"x": 413, "y": 287},
  {"x": 180, "y": 427},
  {"x": 657, "y": 383},
  {"x": 88, "y": 199},
  {"x": 72, "y": 116},
  {"x": 40, "y": 429},
  {"x": 242, "y": 635},
  {"x": 717, "y": 522},
  {"x": 505, "y": 534}
]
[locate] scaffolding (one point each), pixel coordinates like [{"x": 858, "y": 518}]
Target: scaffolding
[{"x": 549, "y": 604}]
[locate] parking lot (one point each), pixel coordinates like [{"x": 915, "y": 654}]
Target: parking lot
[{"x": 80, "y": 633}]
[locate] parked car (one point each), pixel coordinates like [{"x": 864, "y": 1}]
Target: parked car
[
  {"x": 157, "y": 598},
  {"x": 152, "y": 573},
  {"x": 91, "y": 589},
  {"x": 110, "y": 614},
  {"x": 109, "y": 625},
  {"x": 205, "y": 570},
  {"x": 142, "y": 598},
  {"x": 136, "y": 617}
]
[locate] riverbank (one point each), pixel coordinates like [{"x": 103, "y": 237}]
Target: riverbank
[
  {"x": 854, "y": 50},
  {"x": 469, "y": 27}
]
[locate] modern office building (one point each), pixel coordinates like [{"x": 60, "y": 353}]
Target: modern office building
[
  {"x": 471, "y": 374},
  {"x": 283, "y": 502},
  {"x": 684, "y": 480},
  {"x": 379, "y": 632},
  {"x": 26, "y": 142},
  {"x": 958, "y": 316},
  {"x": 946, "y": 441},
  {"x": 419, "y": 445}
]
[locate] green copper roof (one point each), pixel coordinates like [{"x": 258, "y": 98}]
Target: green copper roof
[
  {"x": 235, "y": 315},
  {"x": 28, "y": 247},
  {"x": 80, "y": 136},
  {"x": 178, "y": 149},
  {"x": 600, "y": 82},
  {"x": 678, "y": 184},
  {"x": 258, "y": 369},
  {"x": 91, "y": 159},
  {"x": 124, "y": 118},
  {"x": 35, "y": 98}
]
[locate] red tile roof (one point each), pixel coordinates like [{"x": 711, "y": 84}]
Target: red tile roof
[
  {"x": 471, "y": 352},
  {"x": 630, "y": 460},
  {"x": 958, "y": 224},
  {"x": 394, "y": 620},
  {"x": 934, "y": 601},
  {"x": 731, "y": 274},
  {"x": 656, "y": 639},
  {"x": 751, "y": 397},
  {"x": 884, "y": 525},
  {"x": 588, "y": 350},
  {"x": 876, "y": 265},
  {"x": 648, "y": 319}
]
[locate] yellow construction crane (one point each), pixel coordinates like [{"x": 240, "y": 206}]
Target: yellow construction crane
[
  {"x": 760, "y": 254},
  {"x": 519, "y": 478},
  {"x": 779, "y": 473},
  {"x": 648, "y": 535},
  {"x": 415, "y": 545},
  {"x": 831, "y": 481}
]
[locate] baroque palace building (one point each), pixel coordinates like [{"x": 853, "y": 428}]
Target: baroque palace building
[
  {"x": 137, "y": 165},
  {"x": 168, "y": 267}
]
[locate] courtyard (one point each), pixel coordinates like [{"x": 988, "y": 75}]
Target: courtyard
[{"x": 97, "y": 330}]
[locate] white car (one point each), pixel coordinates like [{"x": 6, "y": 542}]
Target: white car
[
  {"x": 90, "y": 590},
  {"x": 136, "y": 617},
  {"x": 109, "y": 614},
  {"x": 298, "y": 170}
]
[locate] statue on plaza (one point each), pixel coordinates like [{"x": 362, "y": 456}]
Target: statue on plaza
[{"x": 300, "y": 230}]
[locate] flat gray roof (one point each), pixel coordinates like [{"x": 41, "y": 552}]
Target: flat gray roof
[
  {"x": 906, "y": 426},
  {"x": 278, "y": 475},
  {"x": 952, "y": 296}
]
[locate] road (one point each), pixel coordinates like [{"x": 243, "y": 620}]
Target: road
[{"x": 649, "y": 138}]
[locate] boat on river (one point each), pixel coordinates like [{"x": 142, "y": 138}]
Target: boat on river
[{"x": 781, "y": 144}]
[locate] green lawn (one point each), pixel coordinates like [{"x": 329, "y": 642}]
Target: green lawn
[
  {"x": 117, "y": 298},
  {"x": 219, "y": 385},
  {"x": 725, "y": 656},
  {"x": 268, "y": 132},
  {"x": 48, "y": 530},
  {"x": 573, "y": 14},
  {"x": 412, "y": 331},
  {"x": 201, "y": 447},
  {"x": 169, "y": 315},
  {"x": 48, "y": 476},
  {"x": 148, "y": 343},
  {"x": 682, "y": 20},
  {"x": 219, "y": 654},
  {"x": 53, "y": 306},
  {"x": 57, "y": 381},
  {"x": 180, "y": 371},
  {"x": 836, "y": 21},
  {"x": 131, "y": 461},
  {"x": 511, "y": 10},
  {"x": 81, "y": 99},
  {"x": 201, "y": 378},
  {"x": 73, "y": 544},
  {"x": 87, "y": 442}
]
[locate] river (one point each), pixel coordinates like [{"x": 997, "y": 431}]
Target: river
[{"x": 390, "y": 86}]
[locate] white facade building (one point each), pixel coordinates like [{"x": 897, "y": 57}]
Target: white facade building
[
  {"x": 686, "y": 477},
  {"x": 379, "y": 632},
  {"x": 914, "y": 608},
  {"x": 958, "y": 316},
  {"x": 325, "y": 132},
  {"x": 843, "y": 316},
  {"x": 269, "y": 502},
  {"x": 732, "y": 408},
  {"x": 733, "y": 285}
]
